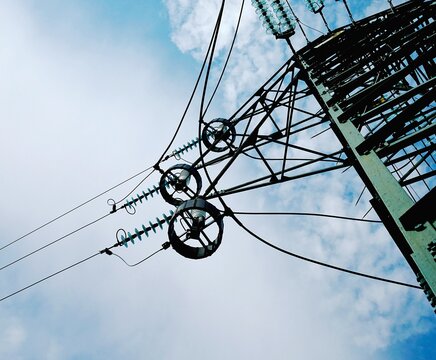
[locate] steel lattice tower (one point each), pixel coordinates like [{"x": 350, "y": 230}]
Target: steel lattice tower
[
  {"x": 372, "y": 83},
  {"x": 376, "y": 81}
]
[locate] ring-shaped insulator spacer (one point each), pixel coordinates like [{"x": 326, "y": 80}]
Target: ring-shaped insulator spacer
[
  {"x": 218, "y": 135},
  {"x": 176, "y": 184},
  {"x": 196, "y": 229}
]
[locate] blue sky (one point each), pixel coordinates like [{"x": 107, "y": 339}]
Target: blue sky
[{"x": 91, "y": 93}]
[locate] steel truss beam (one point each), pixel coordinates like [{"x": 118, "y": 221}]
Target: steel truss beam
[
  {"x": 268, "y": 129},
  {"x": 371, "y": 84},
  {"x": 375, "y": 80}
]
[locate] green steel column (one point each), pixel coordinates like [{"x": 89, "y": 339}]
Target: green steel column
[{"x": 390, "y": 200}]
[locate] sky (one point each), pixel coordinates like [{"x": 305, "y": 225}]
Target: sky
[{"x": 90, "y": 94}]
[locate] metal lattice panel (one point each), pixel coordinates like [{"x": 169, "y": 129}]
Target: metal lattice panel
[
  {"x": 380, "y": 73},
  {"x": 375, "y": 80}
]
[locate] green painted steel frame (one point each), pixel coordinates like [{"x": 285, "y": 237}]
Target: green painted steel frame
[{"x": 351, "y": 72}]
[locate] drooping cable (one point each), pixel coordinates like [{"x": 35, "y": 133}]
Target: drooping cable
[
  {"x": 211, "y": 43},
  {"x": 209, "y": 64},
  {"x": 228, "y": 56},
  {"x": 293, "y": 254},
  {"x": 140, "y": 261},
  {"x": 320, "y": 263},
  {"x": 331, "y": 216},
  {"x": 202, "y": 113}
]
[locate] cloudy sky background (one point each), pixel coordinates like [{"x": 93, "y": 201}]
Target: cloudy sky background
[{"x": 90, "y": 94}]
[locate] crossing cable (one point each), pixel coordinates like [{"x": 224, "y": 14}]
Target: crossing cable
[
  {"x": 316, "y": 262},
  {"x": 140, "y": 261},
  {"x": 228, "y": 57},
  {"x": 203, "y": 113},
  {"x": 211, "y": 43},
  {"x": 161, "y": 159},
  {"x": 73, "y": 209},
  {"x": 209, "y": 65}
]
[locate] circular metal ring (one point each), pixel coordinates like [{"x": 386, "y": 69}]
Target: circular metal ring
[
  {"x": 218, "y": 135},
  {"x": 196, "y": 229},
  {"x": 180, "y": 183}
]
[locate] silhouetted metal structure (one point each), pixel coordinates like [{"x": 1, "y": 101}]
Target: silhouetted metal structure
[{"x": 372, "y": 84}]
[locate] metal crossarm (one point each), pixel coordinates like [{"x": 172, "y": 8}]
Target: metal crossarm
[{"x": 375, "y": 81}]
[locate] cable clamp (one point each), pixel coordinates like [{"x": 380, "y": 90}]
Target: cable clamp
[
  {"x": 157, "y": 167},
  {"x": 106, "y": 251}
]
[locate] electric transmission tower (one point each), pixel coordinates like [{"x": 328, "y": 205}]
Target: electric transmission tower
[{"x": 372, "y": 83}]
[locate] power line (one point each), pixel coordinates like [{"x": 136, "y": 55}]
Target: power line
[
  {"x": 54, "y": 241},
  {"x": 162, "y": 158},
  {"x": 104, "y": 251},
  {"x": 194, "y": 90},
  {"x": 312, "y": 28},
  {"x": 131, "y": 191},
  {"x": 73, "y": 209},
  {"x": 334, "y": 267},
  {"x": 307, "y": 214},
  {"x": 211, "y": 46},
  {"x": 209, "y": 65},
  {"x": 228, "y": 56},
  {"x": 140, "y": 261},
  {"x": 201, "y": 115},
  {"x": 49, "y": 276},
  {"x": 285, "y": 251}
]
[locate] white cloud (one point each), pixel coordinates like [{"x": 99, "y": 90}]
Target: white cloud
[{"x": 84, "y": 110}]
